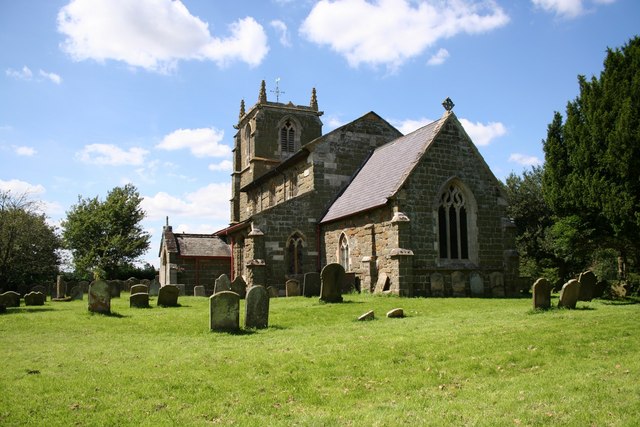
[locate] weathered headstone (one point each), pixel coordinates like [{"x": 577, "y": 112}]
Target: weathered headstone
[
  {"x": 396, "y": 313},
  {"x": 84, "y": 285},
  {"x": 222, "y": 284},
  {"x": 437, "y": 285},
  {"x": 382, "y": 284},
  {"x": 541, "y": 291},
  {"x": 569, "y": 294},
  {"x": 136, "y": 289},
  {"x": 99, "y": 297},
  {"x": 257, "y": 308},
  {"x": 129, "y": 283},
  {"x": 349, "y": 283},
  {"x": 198, "y": 291},
  {"x": 40, "y": 288},
  {"x": 224, "y": 311},
  {"x": 114, "y": 288},
  {"x": 458, "y": 285},
  {"x": 588, "y": 282},
  {"x": 146, "y": 282},
  {"x": 182, "y": 289},
  {"x": 497, "y": 284},
  {"x": 139, "y": 299},
  {"x": 476, "y": 284},
  {"x": 239, "y": 286},
  {"x": 34, "y": 298},
  {"x": 168, "y": 296},
  {"x": 10, "y": 299},
  {"x": 272, "y": 291},
  {"x": 292, "y": 288},
  {"x": 76, "y": 293},
  {"x": 311, "y": 284},
  {"x": 154, "y": 288},
  {"x": 332, "y": 276},
  {"x": 369, "y": 315}
]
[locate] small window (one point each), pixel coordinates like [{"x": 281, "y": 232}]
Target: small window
[
  {"x": 343, "y": 257},
  {"x": 247, "y": 145},
  {"x": 452, "y": 225},
  {"x": 287, "y": 137},
  {"x": 272, "y": 194},
  {"x": 293, "y": 185}
]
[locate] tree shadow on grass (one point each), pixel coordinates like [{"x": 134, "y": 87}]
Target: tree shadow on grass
[
  {"x": 235, "y": 332},
  {"x": 29, "y": 309},
  {"x": 624, "y": 301},
  {"x": 112, "y": 314}
]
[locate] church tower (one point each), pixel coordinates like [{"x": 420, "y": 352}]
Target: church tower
[{"x": 268, "y": 133}]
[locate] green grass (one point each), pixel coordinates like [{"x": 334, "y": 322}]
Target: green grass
[{"x": 459, "y": 361}]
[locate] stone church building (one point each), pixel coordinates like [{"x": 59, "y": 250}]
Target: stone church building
[{"x": 415, "y": 215}]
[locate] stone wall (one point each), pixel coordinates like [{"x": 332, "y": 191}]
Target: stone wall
[{"x": 201, "y": 271}]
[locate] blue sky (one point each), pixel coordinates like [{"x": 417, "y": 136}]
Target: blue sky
[{"x": 99, "y": 93}]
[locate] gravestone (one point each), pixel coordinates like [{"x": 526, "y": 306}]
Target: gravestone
[
  {"x": 476, "y": 284},
  {"x": 34, "y": 298},
  {"x": 136, "y": 289},
  {"x": 146, "y": 282},
  {"x": 331, "y": 277},
  {"x": 61, "y": 287},
  {"x": 458, "y": 285},
  {"x": 84, "y": 285},
  {"x": 10, "y": 299},
  {"x": 437, "y": 285},
  {"x": 129, "y": 283},
  {"x": 99, "y": 297},
  {"x": 256, "y": 308},
  {"x": 382, "y": 284},
  {"x": 588, "y": 282},
  {"x": 272, "y": 291},
  {"x": 168, "y": 296},
  {"x": 369, "y": 315},
  {"x": 41, "y": 289},
  {"x": 114, "y": 288},
  {"x": 222, "y": 284},
  {"x": 311, "y": 285},
  {"x": 541, "y": 291},
  {"x": 139, "y": 299},
  {"x": 497, "y": 284},
  {"x": 76, "y": 293},
  {"x": 154, "y": 288},
  {"x": 396, "y": 313},
  {"x": 349, "y": 283},
  {"x": 198, "y": 291},
  {"x": 292, "y": 288},
  {"x": 569, "y": 294},
  {"x": 224, "y": 311},
  {"x": 182, "y": 290},
  {"x": 239, "y": 286}
]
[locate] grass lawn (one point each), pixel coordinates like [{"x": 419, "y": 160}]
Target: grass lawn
[{"x": 457, "y": 362}]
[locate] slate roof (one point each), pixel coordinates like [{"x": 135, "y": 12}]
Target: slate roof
[
  {"x": 201, "y": 245},
  {"x": 384, "y": 173}
]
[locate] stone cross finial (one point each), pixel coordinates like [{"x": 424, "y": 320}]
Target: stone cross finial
[
  {"x": 242, "y": 112},
  {"x": 262, "y": 98},
  {"x": 448, "y": 104},
  {"x": 314, "y": 100},
  {"x": 278, "y": 92}
]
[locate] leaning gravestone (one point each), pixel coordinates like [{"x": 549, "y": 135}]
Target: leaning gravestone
[
  {"x": 136, "y": 289},
  {"x": 168, "y": 296},
  {"x": 34, "y": 298},
  {"x": 458, "y": 285},
  {"x": 292, "y": 288},
  {"x": 476, "y": 284},
  {"x": 541, "y": 291},
  {"x": 10, "y": 299},
  {"x": 224, "y": 311},
  {"x": 569, "y": 294},
  {"x": 437, "y": 285},
  {"x": 332, "y": 276},
  {"x": 239, "y": 286},
  {"x": 396, "y": 313},
  {"x": 588, "y": 282},
  {"x": 198, "y": 291},
  {"x": 256, "y": 308},
  {"x": 382, "y": 284},
  {"x": 311, "y": 284},
  {"x": 139, "y": 300},
  {"x": 99, "y": 297},
  {"x": 76, "y": 293},
  {"x": 222, "y": 284},
  {"x": 369, "y": 315}
]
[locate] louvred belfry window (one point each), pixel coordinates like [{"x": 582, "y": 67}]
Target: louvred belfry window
[{"x": 287, "y": 138}]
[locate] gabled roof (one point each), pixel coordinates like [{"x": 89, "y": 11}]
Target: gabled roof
[
  {"x": 384, "y": 173},
  {"x": 203, "y": 245}
]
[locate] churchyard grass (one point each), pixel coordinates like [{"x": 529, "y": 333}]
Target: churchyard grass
[{"x": 459, "y": 361}]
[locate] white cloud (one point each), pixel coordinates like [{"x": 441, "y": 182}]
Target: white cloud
[
  {"x": 154, "y": 34},
  {"x": 389, "y": 32},
  {"x": 281, "y": 28},
  {"x": 24, "y": 74},
  {"x": 202, "y": 142},
  {"x": 524, "y": 160},
  {"x": 16, "y": 186},
  {"x": 409, "y": 125},
  {"x": 223, "y": 166},
  {"x": 439, "y": 57},
  {"x": 210, "y": 202},
  {"x": 482, "y": 134},
  {"x": 111, "y": 155},
  {"x": 24, "y": 151},
  {"x": 566, "y": 8},
  {"x": 53, "y": 77}
]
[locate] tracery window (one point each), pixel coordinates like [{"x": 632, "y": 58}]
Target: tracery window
[
  {"x": 294, "y": 254},
  {"x": 287, "y": 137},
  {"x": 452, "y": 225},
  {"x": 343, "y": 247}
]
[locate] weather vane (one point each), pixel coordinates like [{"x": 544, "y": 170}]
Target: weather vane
[{"x": 277, "y": 91}]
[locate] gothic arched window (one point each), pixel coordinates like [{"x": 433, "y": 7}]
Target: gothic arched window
[
  {"x": 452, "y": 225},
  {"x": 287, "y": 137},
  {"x": 294, "y": 254},
  {"x": 293, "y": 185},
  {"x": 343, "y": 252},
  {"x": 247, "y": 144}
]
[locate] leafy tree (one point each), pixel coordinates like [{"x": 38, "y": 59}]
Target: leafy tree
[
  {"x": 104, "y": 236},
  {"x": 593, "y": 159},
  {"x": 28, "y": 245}
]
